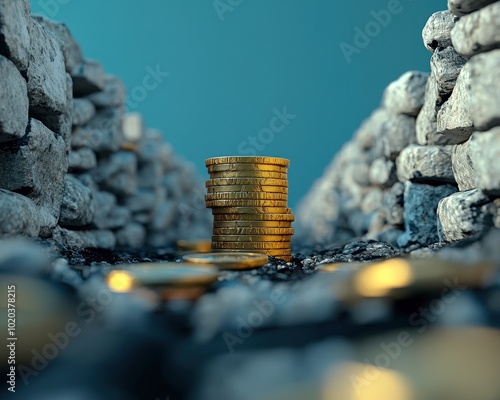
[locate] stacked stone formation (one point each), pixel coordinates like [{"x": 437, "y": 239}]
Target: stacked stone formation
[
  {"x": 248, "y": 197},
  {"x": 74, "y": 167},
  {"x": 423, "y": 167}
]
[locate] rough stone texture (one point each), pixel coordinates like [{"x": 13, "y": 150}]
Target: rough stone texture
[
  {"x": 406, "y": 95},
  {"x": 35, "y": 166},
  {"x": 77, "y": 208},
  {"x": 463, "y": 7},
  {"x": 117, "y": 173},
  {"x": 71, "y": 49},
  {"x": 399, "y": 132},
  {"x": 426, "y": 123},
  {"x": 446, "y": 65},
  {"x": 393, "y": 204},
  {"x": 383, "y": 172},
  {"x": 83, "y": 111},
  {"x": 46, "y": 74},
  {"x": 88, "y": 77},
  {"x": 82, "y": 159},
  {"x": 131, "y": 235},
  {"x": 454, "y": 121},
  {"x": 463, "y": 169},
  {"x": 13, "y": 99},
  {"x": 485, "y": 90},
  {"x": 15, "y": 38},
  {"x": 436, "y": 32},
  {"x": 100, "y": 239},
  {"x": 463, "y": 214},
  {"x": 109, "y": 215},
  {"x": 485, "y": 154},
  {"x": 142, "y": 200},
  {"x": 425, "y": 164},
  {"x": 19, "y": 215},
  {"x": 112, "y": 95},
  {"x": 421, "y": 202}
]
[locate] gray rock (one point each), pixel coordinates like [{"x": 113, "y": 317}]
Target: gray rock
[
  {"x": 47, "y": 86},
  {"x": 436, "y": 32},
  {"x": 446, "y": 65},
  {"x": 150, "y": 175},
  {"x": 406, "y": 95},
  {"x": 463, "y": 7},
  {"x": 393, "y": 204},
  {"x": 99, "y": 239},
  {"x": 164, "y": 216},
  {"x": 389, "y": 234},
  {"x": 485, "y": 90},
  {"x": 35, "y": 166},
  {"x": 13, "y": 99},
  {"x": 117, "y": 173},
  {"x": 399, "y": 132},
  {"x": 426, "y": 123},
  {"x": 88, "y": 77},
  {"x": 421, "y": 202},
  {"x": 454, "y": 121},
  {"x": 118, "y": 218},
  {"x": 372, "y": 201},
  {"x": 109, "y": 215},
  {"x": 142, "y": 200},
  {"x": 425, "y": 164},
  {"x": 19, "y": 215},
  {"x": 485, "y": 153},
  {"x": 131, "y": 235},
  {"x": 71, "y": 49},
  {"x": 82, "y": 159},
  {"x": 383, "y": 172},
  {"x": 83, "y": 111},
  {"x": 15, "y": 32},
  {"x": 112, "y": 95},
  {"x": 77, "y": 208},
  {"x": 463, "y": 214},
  {"x": 370, "y": 132},
  {"x": 463, "y": 169}
]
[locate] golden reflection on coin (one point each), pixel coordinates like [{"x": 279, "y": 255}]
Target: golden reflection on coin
[
  {"x": 253, "y": 231},
  {"x": 246, "y": 203},
  {"x": 246, "y": 196},
  {"x": 247, "y": 181},
  {"x": 248, "y": 174},
  {"x": 229, "y": 260},
  {"x": 247, "y": 188},
  {"x": 252, "y": 224},
  {"x": 247, "y": 160},
  {"x": 250, "y": 245},
  {"x": 253, "y": 217},
  {"x": 246, "y": 167},
  {"x": 251, "y": 210},
  {"x": 251, "y": 238}
]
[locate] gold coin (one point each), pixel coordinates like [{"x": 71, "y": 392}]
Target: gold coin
[
  {"x": 247, "y": 181},
  {"x": 248, "y": 174},
  {"x": 228, "y": 260},
  {"x": 251, "y": 238},
  {"x": 253, "y": 231},
  {"x": 202, "y": 246},
  {"x": 254, "y": 217},
  {"x": 247, "y": 188},
  {"x": 255, "y": 210},
  {"x": 246, "y": 195},
  {"x": 252, "y": 224},
  {"x": 251, "y": 245},
  {"x": 127, "y": 146},
  {"x": 246, "y": 203},
  {"x": 248, "y": 160},
  {"x": 268, "y": 252},
  {"x": 246, "y": 167}
]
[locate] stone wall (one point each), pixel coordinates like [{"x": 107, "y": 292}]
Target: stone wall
[
  {"x": 74, "y": 166},
  {"x": 424, "y": 167}
]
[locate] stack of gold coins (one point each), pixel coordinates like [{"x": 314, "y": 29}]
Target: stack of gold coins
[{"x": 248, "y": 197}]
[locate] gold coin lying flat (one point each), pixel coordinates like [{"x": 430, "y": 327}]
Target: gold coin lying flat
[
  {"x": 253, "y": 231},
  {"x": 251, "y": 238},
  {"x": 245, "y": 196},
  {"x": 228, "y": 260},
  {"x": 248, "y": 174},
  {"x": 246, "y": 167},
  {"x": 246, "y": 203},
  {"x": 247, "y": 181},
  {"x": 251, "y": 245},
  {"x": 247, "y": 188},
  {"x": 252, "y": 225},
  {"x": 247, "y": 160},
  {"x": 251, "y": 210},
  {"x": 254, "y": 217},
  {"x": 202, "y": 246}
]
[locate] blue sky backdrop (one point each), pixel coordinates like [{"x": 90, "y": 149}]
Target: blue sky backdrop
[{"x": 236, "y": 67}]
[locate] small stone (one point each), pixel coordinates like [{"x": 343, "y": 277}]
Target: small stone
[
  {"x": 425, "y": 164},
  {"x": 463, "y": 214},
  {"x": 142, "y": 200},
  {"x": 88, "y": 77},
  {"x": 406, "y": 95},
  {"x": 15, "y": 38},
  {"x": 109, "y": 215},
  {"x": 372, "y": 201},
  {"x": 426, "y": 123},
  {"x": 83, "y": 111},
  {"x": 164, "y": 216},
  {"x": 13, "y": 99},
  {"x": 399, "y": 132},
  {"x": 436, "y": 32},
  {"x": 131, "y": 235},
  {"x": 389, "y": 234},
  {"x": 463, "y": 169},
  {"x": 133, "y": 127},
  {"x": 393, "y": 204},
  {"x": 82, "y": 159},
  {"x": 383, "y": 172},
  {"x": 485, "y": 153},
  {"x": 99, "y": 239},
  {"x": 112, "y": 95},
  {"x": 117, "y": 173},
  {"x": 463, "y": 7},
  {"x": 77, "y": 208},
  {"x": 446, "y": 65},
  {"x": 19, "y": 215}
]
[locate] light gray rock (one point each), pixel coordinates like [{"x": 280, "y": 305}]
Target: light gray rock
[
  {"x": 99, "y": 239},
  {"x": 71, "y": 49},
  {"x": 393, "y": 204},
  {"x": 372, "y": 201},
  {"x": 15, "y": 38},
  {"x": 485, "y": 90},
  {"x": 463, "y": 214},
  {"x": 88, "y": 77},
  {"x": 426, "y": 122},
  {"x": 383, "y": 172},
  {"x": 436, "y": 32},
  {"x": 77, "y": 208},
  {"x": 406, "y": 95},
  {"x": 47, "y": 86},
  {"x": 112, "y": 95},
  {"x": 131, "y": 235},
  {"x": 35, "y": 166},
  {"x": 370, "y": 133},
  {"x": 446, "y": 65},
  {"x": 399, "y": 132},
  {"x": 463, "y": 169},
  {"x": 425, "y": 164},
  {"x": 485, "y": 154},
  {"x": 83, "y": 111},
  {"x": 117, "y": 173},
  {"x": 454, "y": 120},
  {"x": 421, "y": 202},
  {"x": 463, "y": 7},
  {"x": 82, "y": 159},
  {"x": 19, "y": 215},
  {"x": 13, "y": 99}
]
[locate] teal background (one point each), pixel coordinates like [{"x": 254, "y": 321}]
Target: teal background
[{"x": 227, "y": 76}]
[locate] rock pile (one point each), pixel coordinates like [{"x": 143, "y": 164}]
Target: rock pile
[
  {"x": 74, "y": 166},
  {"x": 424, "y": 166}
]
